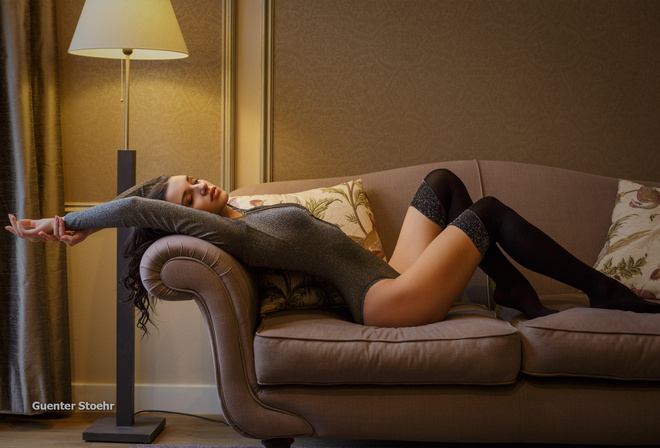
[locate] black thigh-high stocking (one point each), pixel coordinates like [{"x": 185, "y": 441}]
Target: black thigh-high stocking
[
  {"x": 535, "y": 250},
  {"x": 512, "y": 289}
]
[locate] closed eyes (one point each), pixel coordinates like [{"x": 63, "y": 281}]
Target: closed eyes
[{"x": 187, "y": 198}]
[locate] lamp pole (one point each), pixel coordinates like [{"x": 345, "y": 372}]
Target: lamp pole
[
  {"x": 125, "y": 310},
  {"x": 126, "y": 159},
  {"x": 125, "y": 426},
  {"x": 127, "y": 52}
]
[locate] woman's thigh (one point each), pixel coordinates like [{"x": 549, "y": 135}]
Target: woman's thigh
[
  {"x": 425, "y": 292},
  {"x": 417, "y": 232}
]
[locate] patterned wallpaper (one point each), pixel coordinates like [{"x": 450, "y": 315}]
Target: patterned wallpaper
[
  {"x": 176, "y": 106},
  {"x": 364, "y": 85}
]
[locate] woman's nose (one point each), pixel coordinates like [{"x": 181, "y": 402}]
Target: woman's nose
[{"x": 203, "y": 188}]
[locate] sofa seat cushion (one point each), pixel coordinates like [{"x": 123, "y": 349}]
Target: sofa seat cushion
[
  {"x": 322, "y": 348},
  {"x": 586, "y": 342}
]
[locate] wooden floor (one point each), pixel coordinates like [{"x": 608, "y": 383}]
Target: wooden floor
[{"x": 66, "y": 432}]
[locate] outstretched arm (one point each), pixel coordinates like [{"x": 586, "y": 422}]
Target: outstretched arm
[
  {"x": 54, "y": 229},
  {"x": 156, "y": 214}
]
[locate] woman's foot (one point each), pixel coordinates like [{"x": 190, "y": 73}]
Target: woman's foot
[
  {"x": 617, "y": 296},
  {"x": 522, "y": 297}
]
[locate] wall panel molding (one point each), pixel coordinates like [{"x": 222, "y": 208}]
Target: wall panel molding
[
  {"x": 266, "y": 149},
  {"x": 227, "y": 149}
]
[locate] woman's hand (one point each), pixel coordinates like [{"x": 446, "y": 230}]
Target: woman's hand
[
  {"x": 69, "y": 237},
  {"x": 32, "y": 230},
  {"x": 48, "y": 229}
]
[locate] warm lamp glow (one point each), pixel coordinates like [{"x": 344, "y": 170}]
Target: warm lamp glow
[{"x": 148, "y": 27}]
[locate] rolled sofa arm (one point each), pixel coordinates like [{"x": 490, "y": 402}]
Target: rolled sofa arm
[{"x": 179, "y": 267}]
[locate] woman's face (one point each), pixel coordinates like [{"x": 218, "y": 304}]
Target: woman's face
[{"x": 196, "y": 193}]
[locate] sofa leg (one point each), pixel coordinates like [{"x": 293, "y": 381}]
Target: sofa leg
[{"x": 277, "y": 443}]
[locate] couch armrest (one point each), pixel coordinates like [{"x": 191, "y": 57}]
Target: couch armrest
[{"x": 180, "y": 267}]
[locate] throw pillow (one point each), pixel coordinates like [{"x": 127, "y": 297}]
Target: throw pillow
[
  {"x": 344, "y": 205},
  {"x": 632, "y": 251}
]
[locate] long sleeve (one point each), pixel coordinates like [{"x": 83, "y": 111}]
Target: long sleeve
[{"x": 135, "y": 211}]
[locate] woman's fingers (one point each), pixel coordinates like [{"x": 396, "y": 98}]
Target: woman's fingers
[
  {"x": 69, "y": 238},
  {"x": 31, "y": 230},
  {"x": 46, "y": 237},
  {"x": 57, "y": 231},
  {"x": 14, "y": 225},
  {"x": 20, "y": 231},
  {"x": 73, "y": 238},
  {"x": 11, "y": 228},
  {"x": 58, "y": 228}
]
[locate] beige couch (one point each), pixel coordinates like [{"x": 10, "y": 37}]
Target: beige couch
[{"x": 582, "y": 376}]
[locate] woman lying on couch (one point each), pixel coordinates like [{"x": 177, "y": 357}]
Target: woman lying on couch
[{"x": 443, "y": 239}]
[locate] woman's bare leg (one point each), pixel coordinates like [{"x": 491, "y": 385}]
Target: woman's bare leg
[
  {"x": 428, "y": 288},
  {"x": 418, "y": 231}
]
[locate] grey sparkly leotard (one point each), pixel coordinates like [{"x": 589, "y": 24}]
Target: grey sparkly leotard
[{"x": 284, "y": 236}]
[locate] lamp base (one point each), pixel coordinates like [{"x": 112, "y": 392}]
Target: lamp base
[{"x": 105, "y": 429}]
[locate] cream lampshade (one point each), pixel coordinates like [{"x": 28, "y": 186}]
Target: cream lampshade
[{"x": 147, "y": 27}]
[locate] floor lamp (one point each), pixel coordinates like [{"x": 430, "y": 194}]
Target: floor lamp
[{"x": 126, "y": 29}]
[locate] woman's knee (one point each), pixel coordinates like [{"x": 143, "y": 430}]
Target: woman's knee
[
  {"x": 488, "y": 203},
  {"x": 490, "y": 211},
  {"x": 441, "y": 178}
]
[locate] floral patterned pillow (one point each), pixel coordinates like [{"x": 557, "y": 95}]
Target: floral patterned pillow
[
  {"x": 344, "y": 205},
  {"x": 632, "y": 251}
]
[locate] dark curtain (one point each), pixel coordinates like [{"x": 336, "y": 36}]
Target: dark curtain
[{"x": 34, "y": 327}]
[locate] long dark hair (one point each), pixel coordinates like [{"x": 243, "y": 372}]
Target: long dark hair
[{"x": 138, "y": 243}]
